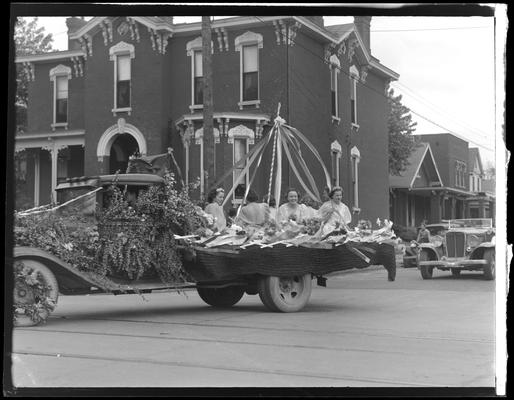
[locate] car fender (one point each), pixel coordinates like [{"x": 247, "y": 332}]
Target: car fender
[
  {"x": 431, "y": 249},
  {"x": 478, "y": 252}
]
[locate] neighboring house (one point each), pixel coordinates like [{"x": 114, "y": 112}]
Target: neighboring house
[
  {"x": 413, "y": 194},
  {"x": 482, "y": 200},
  {"x": 450, "y": 187},
  {"x": 134, "y": 85}
]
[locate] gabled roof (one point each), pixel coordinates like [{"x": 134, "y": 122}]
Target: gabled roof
[
  {"x": 340, "y": 30},
  {"x": 417, "y": 158},
  {"x": 474, "y": 154}
]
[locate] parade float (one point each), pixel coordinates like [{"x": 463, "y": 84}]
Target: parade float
[{"x": 140, "y": 231}]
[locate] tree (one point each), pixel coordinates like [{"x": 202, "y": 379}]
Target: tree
[
  {"x": 400, "y": 128},
  {"x": 29, "y": 38}
]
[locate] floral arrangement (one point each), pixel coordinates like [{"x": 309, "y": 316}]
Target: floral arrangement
[{"x": 43, "y": 304}]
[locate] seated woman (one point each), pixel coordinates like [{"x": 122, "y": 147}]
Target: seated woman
[
  {"x": 423, "y": 234},
  {"x": 334, "y": 213},
  {"x": 215, "y": 200},
  {"x": 253, "y": 213},
  {"x": 292, "y": 210},
  {"x": 311, "y": 205}
]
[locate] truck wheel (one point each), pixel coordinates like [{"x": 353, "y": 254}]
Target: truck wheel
[
  {"x": 285, "y": 294},
  {"x": 426, "y": 270},
  {"x": 35, "y": 292},
  {"x": 455, "y": 271},
  {"x": 221, "y": 297},
  {"x": 490, "y": 267}
]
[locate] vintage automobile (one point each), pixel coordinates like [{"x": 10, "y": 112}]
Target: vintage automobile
[
  {"x": 281, "y": 275},
  {"x": 411, "y": 251},
  {"x": 467, "y": 245}
]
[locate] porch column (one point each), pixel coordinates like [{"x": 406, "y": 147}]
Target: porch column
[
  {"x": 435, "y": 208},
  {"x": 453, "y": 207},
  {"x": 37, "y": 177},
  {"x": 54, "y": 153},
  {"x": 481, "y": 208}
]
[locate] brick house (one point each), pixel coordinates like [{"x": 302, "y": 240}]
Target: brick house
[
  {"x": 134, "y": 84},
  {"x": 443, "y": 180}
]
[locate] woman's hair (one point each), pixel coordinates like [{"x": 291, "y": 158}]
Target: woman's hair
[
  {"x": 289, "y": 190},
  {"x": 213, "y": 193},
  {"x": 272, "y": 201},
  {"x": 335, "y": 189},
  {"x": 309, "y": 201},
  {"x": 252, "y": 196}
]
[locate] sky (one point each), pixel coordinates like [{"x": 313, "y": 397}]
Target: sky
[{"x": 446, "y": 67}]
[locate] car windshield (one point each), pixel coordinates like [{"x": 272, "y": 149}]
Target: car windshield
[{"x": 471, "y": 223}]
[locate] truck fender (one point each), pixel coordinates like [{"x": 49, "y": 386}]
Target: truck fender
[
  {"x": 430, "y": 249},
  {"x": 69, "y": 279},
  {"x": 478, "y": 252}
]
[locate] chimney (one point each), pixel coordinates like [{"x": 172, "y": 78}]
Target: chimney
[
  {"x": 74, "y": 24},
  {"x": 363, "y": 25},
  {"x": 317, "y": 20}
]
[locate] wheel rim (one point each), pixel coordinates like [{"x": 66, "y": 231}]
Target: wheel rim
[
  {"x": 23, "y": 294},
  {"x": 290, "y": 289}
]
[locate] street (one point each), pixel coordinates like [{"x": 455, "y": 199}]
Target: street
[{"x": 359, "y": 331}]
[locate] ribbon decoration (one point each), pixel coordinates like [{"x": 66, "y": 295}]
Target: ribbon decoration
[{"x": 283, "y": 137}]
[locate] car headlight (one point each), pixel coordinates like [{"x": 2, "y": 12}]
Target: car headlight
[{"x": 473, "y": 241}]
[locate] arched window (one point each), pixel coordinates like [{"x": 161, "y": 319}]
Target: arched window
[
  {"x": 248, "y": 45},
  {"x": 335, "y": 67},
  {"x": 355, "y": 158},
  {"x": 335, "y": 152},
  {"x": 354, "y": 78},
  {"x": 60, "y": 76},
  {"x": 194, "y": 50},
  {"x": 122, "y": 54}
]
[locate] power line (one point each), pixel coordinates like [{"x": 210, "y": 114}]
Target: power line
[{"x": 378, "y": 92}]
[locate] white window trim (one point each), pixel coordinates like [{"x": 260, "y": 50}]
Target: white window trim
[
  {"x": 356, "y": 157},
  {"x": 191, "y": 47},
  {"x": 354, "y": 78},
  {"x": 336, "y": 150},
  {"x": 59, "y": 71},
  {"x": 248, "y": 39},
  {"x": 121, "y": 49},
  {"x": 335, "y": 65},
  {"x": 198, "y": 137},
  {"x": 240, "y": 132}
]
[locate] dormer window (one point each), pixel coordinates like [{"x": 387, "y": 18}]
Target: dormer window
[
  {"x": 248, "y": 46},
  {"x": 122, "y": 55},
  {"x": 334, "y": 92},
  {"x": 60, "y": 76}
]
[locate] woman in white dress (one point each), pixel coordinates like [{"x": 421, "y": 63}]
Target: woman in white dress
[
  {"x": 334, "y": 213},
  {"x": 292, "y": 210},
  {"x": 215, "y": 199}
]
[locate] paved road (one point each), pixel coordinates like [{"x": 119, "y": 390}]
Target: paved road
[{"x": 359, "y": 331}]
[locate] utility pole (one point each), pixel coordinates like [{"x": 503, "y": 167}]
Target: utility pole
[{"x": 208, "y": 131}]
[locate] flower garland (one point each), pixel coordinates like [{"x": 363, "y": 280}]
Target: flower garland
[{"x": 40, "y": 303}]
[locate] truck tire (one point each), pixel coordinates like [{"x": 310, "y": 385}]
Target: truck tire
[
  {"x": 285, "y": 294},
  {"x": 221, "y": 297},
  {"x": 26, "y": 294},
  {"x": 426, "y": 270},
  {"x": 490, "y": 267}
]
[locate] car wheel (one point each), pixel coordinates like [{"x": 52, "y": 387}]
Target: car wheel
[
  {"x": 426, "y": 270},
  {"x": 35, "y": 292},
  {"x": 221, "y": 297},
  {"x": 455, "y": 271},
  {"x": 285, "y": 294},
  {"x": 490, "y": 267}
]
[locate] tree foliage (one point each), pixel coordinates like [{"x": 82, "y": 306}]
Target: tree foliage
[
  {"x": 400, "y": 127},
  {"x": 29, "y": 38}
]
